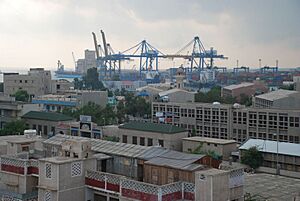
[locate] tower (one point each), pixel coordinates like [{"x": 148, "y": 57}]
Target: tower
[{"x": 180, "y": 76}]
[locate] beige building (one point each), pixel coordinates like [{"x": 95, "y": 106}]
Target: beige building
[
  {"x": 288, "y": 154},
  {"x": 246, "y": 88},
  {"x": 220, "y": 185},
  {"x": 280, "y": 99},
  {"x": 60, "y": 86},
  {"x": 37, "y": 82},
  {"x": 177, "y": 95},
  {"x": 88, "y": 62},
  {"x": 221, "y": 147},
  {"x": 149, "y": 134},
  {"x": 230, "y": 121},
  {"x": 45, "y": 123},
  {"x": 11, "y": 110}
]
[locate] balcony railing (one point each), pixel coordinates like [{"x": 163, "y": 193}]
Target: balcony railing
[
  {"x": 19, "y": 166},
  {"x": 139, "y": 190}
]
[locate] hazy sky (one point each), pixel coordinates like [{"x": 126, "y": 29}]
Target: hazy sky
[{"x": 39, "y": 32}]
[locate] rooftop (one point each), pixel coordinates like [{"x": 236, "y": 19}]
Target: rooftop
[
  {"x": 269, "y": 146},
  {"x": 209, "y": 140},
  {"x": 177, "y": 160},
  {"x": 59, "y": 159},
  {"x": 275, "y": 95},
  {"x": 175, "y": 90},
  {"x": 236, "y": 86},
  {"x": 48, "y": 116},
  {"x": 152, "y": 127}
]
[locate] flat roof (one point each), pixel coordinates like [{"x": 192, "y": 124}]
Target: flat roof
[
  {"x": 152, "y": 127},
  {"x": 48, "y": 116},
  {"x": 269, "y": 146},
  {"x": 209, "y": 140},
  {"x": 175, "y": 90},
  {"x": 60, "y": 159},
  {"x": 236, "y": 86},
  {"x": 275, "y": 95}
]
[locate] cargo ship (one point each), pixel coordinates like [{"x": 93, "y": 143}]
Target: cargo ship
[{"x": 62, "y": 73}]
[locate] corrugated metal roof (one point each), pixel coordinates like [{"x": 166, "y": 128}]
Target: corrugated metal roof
[
  {"x": 236, "y": 86},
  {"x": 175, "y": 90},
  {"x": 275, "y": 95},
  {"x": 48, "y": 116},
  {"x": 102, "y": 146},
  {"x": 269, "y": 146},
  {"x": 177, "y": 160},
  {"x": 152, "y": 127}
]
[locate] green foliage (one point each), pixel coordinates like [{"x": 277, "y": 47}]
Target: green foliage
[
  {"x": 255, "y": 197},
  {"x": 210, "y": 153},
  {"x": 245, "y": 100},
  {"x": 121, "y": 113},
  {"x": 110, "y": 93},
  {"x": 89, "y": 81},
  {"x": 101, "y": 116},
  {"x": 21, "y": 95},
  {"x": 111, "y": 138},
  {"x": 137, "y": 106},
  {"x": 252, "y": 157},
  {"x": 214, "y": 95},
  {"x": 13, "y": 128},
  {"x": 288, "y": 87}
]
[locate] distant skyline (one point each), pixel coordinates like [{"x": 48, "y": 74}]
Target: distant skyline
[{"x": 37, "y": 33}]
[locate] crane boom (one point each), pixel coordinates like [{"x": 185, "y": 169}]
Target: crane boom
[
  {"x": 96, "y": 45},
  {"x": 104, "y": 43}
]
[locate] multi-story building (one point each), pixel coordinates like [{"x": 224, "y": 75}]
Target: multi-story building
[
  {"x": 230, "y": 121},
  {"x": 71, "y": 99},
  {"x": 11, "y": 110},
  {"x": 246, "y": 88},
  {"x": 288, "y": 154},
  {"x": 60, "y": 86},
  {"x": 37, "y": 82},
  {"x": 280, "y": 99},
  {"x": 203, "y": 119},
  {"x": 88, "y": 62}
]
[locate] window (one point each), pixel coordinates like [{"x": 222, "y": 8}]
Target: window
[
  {"x": 142, "y": 141},
  {"x": 215, "y": 145},
  {"x": 124, "y": 138},
  {"x": 150, "y": 142},
  {"x": 25, "y": 81},
  {"x": 76, "y": 169},
  {"x": 134, "y": 140},
  {"x": 25, "y": 148},
  {"x": 48, "y": 170},
  {"x": 47, "y": 196},
  {"x": 161, "y": 143}
]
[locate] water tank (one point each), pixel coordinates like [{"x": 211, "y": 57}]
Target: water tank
[
  {"x": 216, "y": 103},
  {"x": 236, "y": 105}
]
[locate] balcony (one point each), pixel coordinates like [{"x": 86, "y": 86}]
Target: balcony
[
  {"x": 132, "y": 189},
  {"x": 20, "y": 166}
]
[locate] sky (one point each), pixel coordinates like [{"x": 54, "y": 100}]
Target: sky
[{"x": 37, "y": 33}]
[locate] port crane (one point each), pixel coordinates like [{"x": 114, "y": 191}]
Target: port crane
[{"x": 109, "y": 62}]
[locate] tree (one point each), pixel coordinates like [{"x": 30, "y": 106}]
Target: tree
[
  {"x": 121, "y": 112},
  {"x": 245, "y": 100},
  {"x": 252, "y": 157},
  {"x": 89, "y": 81},
  {"x": 14, "y": 128},
  {"x": 21, "y": 95}
]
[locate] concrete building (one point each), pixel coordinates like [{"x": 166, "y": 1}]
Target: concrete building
[
  {"x": 221, "y": 147},
  {"x": 45, "y": 123},
  {"x": 177, "y": 95},
  {"x": 88, "y": 62},
  {"x": 220, "y": 185},
  {"x": 150, "y": 93},
  {"x": 71, "y": 99},
  {"x": 91, "y": 170},
  {"x": 11, "y": 110},
  {"x": 205, "y": 119},
  {"x": 280, "y": 99},
  {"x": 37, "y": 82},
  {"x": 246, "y": 88},
  {"x": 60, "y": 86},
  {"x": 230, "y": 122},
  {"x": 148, "y": 134},
  {"x": 124, "y": 85},
  {"x": 288, "y": 154}
]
